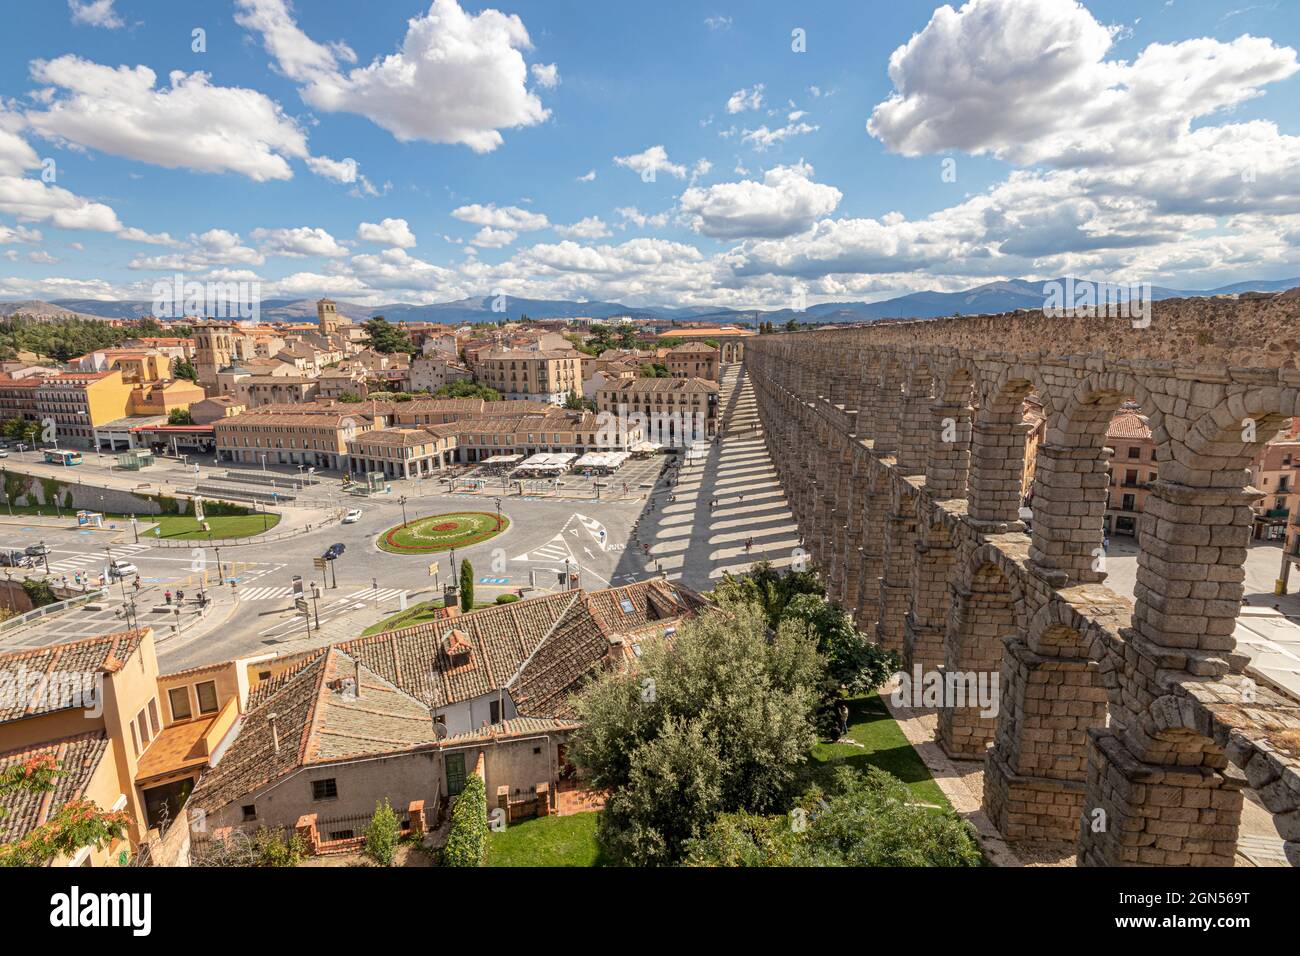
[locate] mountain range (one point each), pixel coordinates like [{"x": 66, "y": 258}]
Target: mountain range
[{"x": 991, "y": 297}]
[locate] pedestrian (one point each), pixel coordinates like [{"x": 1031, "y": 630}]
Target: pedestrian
[
  {"x": 137, "y": 582},
  {"x": 167, "y": 596},
  {"x": 180, "y": 596},
  {"x": 842, "y": 718},
  {"x": 749, "y": 544}
]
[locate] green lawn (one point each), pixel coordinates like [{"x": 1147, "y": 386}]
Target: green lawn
[
  {"x": 416, "y": 614},
  {"x": 176, "y": 527},
  {"x": 185, "y": 528},
  {"x": 434, "y": 534},
  {"x": 883, "y": 746},
  {"x": 547, "y": 841}
]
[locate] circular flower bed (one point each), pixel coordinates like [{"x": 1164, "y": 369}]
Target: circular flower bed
[{"x": 435, "y": 533}]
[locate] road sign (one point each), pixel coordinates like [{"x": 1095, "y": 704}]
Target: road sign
[
  {"x": 320, "y": 563},
  {"x": 433, "y": 568},
  {"x": 301, "y": 604},
  {"x": 297, "y": 585}
]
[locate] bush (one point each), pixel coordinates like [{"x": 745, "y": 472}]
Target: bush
[
  {"x": 467, "y": 836},
  {"x": 39, "y": 592},
  {"x": 382, "y": 835},
  {"x": 507, "y": 598},
  {"x": 466, "y": 586},
  {"x": 869, "y": 819}
]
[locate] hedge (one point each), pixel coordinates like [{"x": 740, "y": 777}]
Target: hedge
[{"x": 468, "y": 834}]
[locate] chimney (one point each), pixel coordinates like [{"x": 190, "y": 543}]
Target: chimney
[
  {"x": 358, "y": 663},
  {"x": 275, "y": 733}
]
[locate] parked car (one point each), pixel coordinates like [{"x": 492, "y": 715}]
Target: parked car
[
  {"x": 3, "y": 453},
  {"x": 37, "y": 550},
  {"x": 122, "y": 569},
  {"x": 352, "y": 517},
  {"x": 12, "y": 559},
  {"x": 334, "y": 551}
]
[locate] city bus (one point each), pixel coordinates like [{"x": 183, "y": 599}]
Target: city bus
[{"x": 58, "y": 456}]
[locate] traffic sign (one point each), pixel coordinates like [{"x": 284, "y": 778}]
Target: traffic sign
[
  {"x": 301, "y": 604},
  {"x": 319, "y": 563},
  {"x": 433, "y": 568}
]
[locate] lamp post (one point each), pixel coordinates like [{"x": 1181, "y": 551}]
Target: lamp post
[
  {"x": 45, "y": 555},
  {"x": 498, "y": 504},
  {"x": 402, "y": 502}
]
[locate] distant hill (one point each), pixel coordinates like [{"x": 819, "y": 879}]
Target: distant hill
[
  {"x": 991, "y": 297},
  {"x": 46, "y": 310}
]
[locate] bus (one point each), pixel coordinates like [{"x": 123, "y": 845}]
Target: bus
[{"x": 57, "y": 456}]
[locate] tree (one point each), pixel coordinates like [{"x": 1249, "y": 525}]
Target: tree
[
  {"x": 792, "y": 325},
  {"x": 573, "y": 401},
  {"x": 868, "y": 819},
  {"x": 770, "y": 588},
  {"x": 466, "y": 586},
  {"x": 350, "y": 398},
  {"x": 76, "y": 824},
  {"x": 384, "y": 337},
  {"x": 718, "y": 720},
  {"x": 465, "y": 389},
  {"x": 382, "y": 835},
  {"x": 184, "y": 368},
  {"x": 467, "y": 834},
  {"x": 180, "y": 416},
  {"x": 654, "y": 370},
  {"x": 855, "y": 664}
]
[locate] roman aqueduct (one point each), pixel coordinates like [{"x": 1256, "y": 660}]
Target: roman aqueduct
[{"x": 1128, "y": 726}]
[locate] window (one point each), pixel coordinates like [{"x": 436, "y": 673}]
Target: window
[
  {"x": 153, "y": 715},
  {"x": 250, "y": 811},
  {"x": 179, "y": 699},
  {"x": 143, "y": 728},
  {"x": 207, "y": 694},
  {"x": 455, "y": 774},
  {"x": 1134, "y": 451},
  {"x": 326, "y": 789},
  {"x": 494, "y": 711}
]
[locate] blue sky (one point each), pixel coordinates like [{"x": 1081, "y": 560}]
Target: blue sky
[{"x": 402, "y": 151}]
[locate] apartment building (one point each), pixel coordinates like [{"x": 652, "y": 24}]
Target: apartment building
[
  {"x": 315, "y": 438},
  {"x": 80, "y": 402},
  {"x": 18, "y": 397},
  {"x": 401, "y": 452},
  {"x": 693, "y": 360},
  {"x": 1132, "y": 467},
  {"x": 1274, "y": 473},
  {"x": 276, "y": 388},
  {"x": 544, "y": 375},
  {"x": 433, "y": 370},
  {"x": 121, "y": 736},
  {"x": 671, "y": 406}
]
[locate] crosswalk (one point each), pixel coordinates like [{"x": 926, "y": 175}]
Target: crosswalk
[
  {"x": 383, "y": 594},
  {"x": 81, "y": 562},
  {"x": 263, "y": 593}
]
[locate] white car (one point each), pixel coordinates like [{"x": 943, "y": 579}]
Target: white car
[
  {"x": 4, "y": 454},
  {"x": 352, "y": 517},
  {"x": 122, "y": 569}
]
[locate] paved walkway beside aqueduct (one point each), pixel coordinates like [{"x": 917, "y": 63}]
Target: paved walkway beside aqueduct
[{"x": 1125, "y": 725}]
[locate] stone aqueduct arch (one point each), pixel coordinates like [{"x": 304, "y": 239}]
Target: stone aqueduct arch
[{"x": 1128, "y": 726}]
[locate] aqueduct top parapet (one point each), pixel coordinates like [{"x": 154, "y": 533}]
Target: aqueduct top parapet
[{"x": 1253, "y": 331}]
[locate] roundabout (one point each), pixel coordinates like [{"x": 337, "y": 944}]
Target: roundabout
[{"x": 435, "y": 533}]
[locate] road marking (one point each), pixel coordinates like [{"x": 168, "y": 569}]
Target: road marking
[
  {"x": 383, "y": 594},
  {"x": 263, "y": 593}
]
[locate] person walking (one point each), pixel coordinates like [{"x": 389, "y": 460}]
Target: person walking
[{"x": 167, "y": 596}]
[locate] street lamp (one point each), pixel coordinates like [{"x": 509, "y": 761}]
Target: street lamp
[
  {"x": 498, "y": 504},
  {"x": 402, "y": 502},
  {"x": 45, "y": 555}
]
